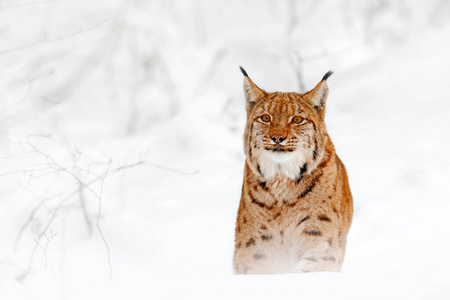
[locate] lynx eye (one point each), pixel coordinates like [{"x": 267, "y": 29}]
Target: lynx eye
[
  {"x": 297, "y": 120},
  {"x": 265, "y": 118}
]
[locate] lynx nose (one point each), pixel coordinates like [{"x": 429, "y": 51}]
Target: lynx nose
[{"x": 277, "y": 138}]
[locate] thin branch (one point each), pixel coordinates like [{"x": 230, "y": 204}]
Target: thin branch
[
  {"x": 98, "y": 219},
  {"x": 44, "y": 248},
  {"x": 25, "y": 171},
  {"x": 52, "y": 164},
  {"x": 28, "y": 221},
  {"x": 83, "y": 207},
  {"x": 47, "y": 226},
  {"x": 121, "y": 189}
]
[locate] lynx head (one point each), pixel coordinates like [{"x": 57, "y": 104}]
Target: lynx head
[{"x": 285, "y": 133}]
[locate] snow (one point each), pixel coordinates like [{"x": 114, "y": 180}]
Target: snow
[{"x": 140, "y": 105}]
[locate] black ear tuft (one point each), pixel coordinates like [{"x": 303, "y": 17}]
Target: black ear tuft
[
  {"x": 243, "y": 71},
  {"x": 329, "y": 73}
]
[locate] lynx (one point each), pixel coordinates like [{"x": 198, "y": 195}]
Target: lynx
[{"x": 296, "y": 206}]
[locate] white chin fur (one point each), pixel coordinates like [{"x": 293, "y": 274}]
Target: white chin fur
[{"x": 285, "y": 163}]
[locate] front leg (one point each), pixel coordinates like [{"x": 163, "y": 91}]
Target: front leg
[
  {"x": 248, "y": 257},
  {"x": 320, "y": 250},
  {"x": 254, "y": 253}
]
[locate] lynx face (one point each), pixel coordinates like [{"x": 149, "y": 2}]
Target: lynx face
[
  {"x": 285, "y": 131},
  {"x": 282, "y": 134}
]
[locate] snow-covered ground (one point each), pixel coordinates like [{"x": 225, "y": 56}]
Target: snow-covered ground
[{"x": 121, "y": 157}]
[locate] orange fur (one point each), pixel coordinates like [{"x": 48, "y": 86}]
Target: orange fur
[{"x": 296, "y": 207}]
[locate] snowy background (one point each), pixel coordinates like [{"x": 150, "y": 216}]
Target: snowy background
[{"x": 121, "y": 156}]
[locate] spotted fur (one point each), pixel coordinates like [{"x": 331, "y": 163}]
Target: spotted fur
[{"x": 296, "y": 206}]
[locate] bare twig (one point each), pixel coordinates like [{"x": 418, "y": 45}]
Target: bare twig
[
  {"x": 121, "y": 189},
  {"x": 60, "y": 205},
  {"x": 98, "y": 219},
  {"x": 27, "y": 222},
  {"x": 82, "y": 185},
  {"x": 25, "y": 171},
  {"x": 44, "y": 248},
  {"x": 47, "y": 226},
  {"x": 83, "y": 207}
]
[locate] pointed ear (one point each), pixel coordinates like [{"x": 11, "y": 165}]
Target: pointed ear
[
  {"x": 317, "y": 97},
  {"x": 253, "y": 94}
]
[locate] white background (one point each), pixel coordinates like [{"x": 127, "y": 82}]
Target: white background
[{"x": 121, "y": 155}]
